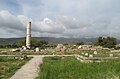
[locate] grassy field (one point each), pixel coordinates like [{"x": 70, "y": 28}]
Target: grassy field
[
  {"x": 8, "y": 66},
  {"x": 70, "y": 68}
]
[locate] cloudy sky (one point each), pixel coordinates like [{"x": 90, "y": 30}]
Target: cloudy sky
[{"x": 60, "y": 18}]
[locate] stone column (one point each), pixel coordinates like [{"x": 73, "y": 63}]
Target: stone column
[{"x": 28, "y": 35}]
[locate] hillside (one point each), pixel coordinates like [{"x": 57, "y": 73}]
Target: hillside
[{"x": 51, "y": 40}]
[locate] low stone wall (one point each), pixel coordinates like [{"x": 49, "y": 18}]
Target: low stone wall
[{"x": 94, "y": 59}]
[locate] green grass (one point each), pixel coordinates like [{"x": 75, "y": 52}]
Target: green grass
[
  {"x": 70, "y": 68},
  {"x": 8, "y": 66}
]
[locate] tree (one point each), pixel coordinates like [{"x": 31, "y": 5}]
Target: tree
[
  {"x": 14, "y": 45},
  {"x": 21, "y": 43},
  {"x": 34, "y": 43},
  {"x": 80, "y": 43},
  {"x": 109, "y": 42},
  {"x": 100, "y": 41}
]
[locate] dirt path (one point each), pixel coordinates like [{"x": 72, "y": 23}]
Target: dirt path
[{"x": 29, "y": 70}]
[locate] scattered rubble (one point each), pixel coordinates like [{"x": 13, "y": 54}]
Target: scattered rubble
[{"x": 20, "y": 57}]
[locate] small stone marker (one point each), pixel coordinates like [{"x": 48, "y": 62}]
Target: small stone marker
[
  {"x": 80, "y": 47},
  {"x": 95, "y": 52},
  {"x": 111, "y": 55},
  {"x": 24, "y": 48},
  {"x": 86, "y": 54},
  {"x": 91, "y": 56},
  {"x": 82, "y": 53},
  {"x": 37, "y": 49},
  {"x": 78, "y": 58},
  {"x": 13, "y": 50},
  {"x": 41, "y": 50}
]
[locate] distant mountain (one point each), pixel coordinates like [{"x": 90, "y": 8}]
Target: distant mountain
[
  {"x": 4, "y": 41},
  {"x": 51, "y": 40},
  {"x": 67, "y": 40}
]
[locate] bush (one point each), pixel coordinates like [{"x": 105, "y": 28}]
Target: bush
[
  {"x": 108, "y": 42},
  {"x": 34, "y": 43}
]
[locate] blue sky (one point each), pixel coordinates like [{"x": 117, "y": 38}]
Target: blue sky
[{"x": 60, "y": 18}]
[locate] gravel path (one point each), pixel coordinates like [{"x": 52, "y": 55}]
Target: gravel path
[{"x": 29, "y": 70}]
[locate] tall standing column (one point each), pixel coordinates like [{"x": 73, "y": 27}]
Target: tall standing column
[{"x": 28, "y": 35}]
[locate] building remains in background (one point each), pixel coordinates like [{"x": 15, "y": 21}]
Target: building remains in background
[{"x": 60, "y": 47}]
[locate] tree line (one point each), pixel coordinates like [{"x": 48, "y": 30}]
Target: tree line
[
  {"x": 20, "y": 43},
  {"x": 108, "y": 42},
  {"x": 34, "y": 43}
]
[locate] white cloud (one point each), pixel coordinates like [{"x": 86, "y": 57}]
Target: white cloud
[
  {"x": 15, "y": 26},
  {"x": 68, "y": 18},
  {"x": 49, "y": 26}
]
